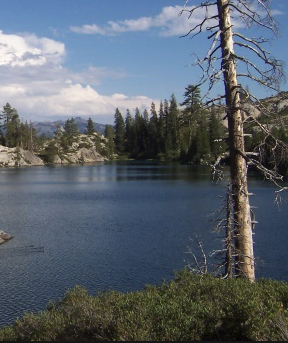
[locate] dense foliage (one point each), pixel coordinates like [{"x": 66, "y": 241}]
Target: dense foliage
[
  {"x": 191, "y": 134},
  {"x": 187, "y": 308},
  {"x": 14, "y": 133}
]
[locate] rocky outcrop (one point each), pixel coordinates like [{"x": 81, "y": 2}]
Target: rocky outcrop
[
  {"x": 83, "y": 150},
  {"x": 82, "y": 155},
  {"x": 4, "y": 237},
  {"x": 17, "y": 157}
]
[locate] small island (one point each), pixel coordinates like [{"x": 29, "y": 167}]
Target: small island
[{"x": 4, "y": 237}]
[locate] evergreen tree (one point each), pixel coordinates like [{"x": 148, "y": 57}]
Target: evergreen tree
[
  {"x": 10, "y": 126},
  {"x": 216, "y": 131},
  {"x": 139, "y": 123},
  {"x": 33, "y": 141},
  {"x": 130, "y": 134},
  {"x": 202, "y": 142},
  {"x": 90, "y": 127},
  {"x": 172, "y": 130},
  {"x": 119, "y": 132},
  {"x": 154, "y": 142},
  {"x": 161, "y": 128},
  {"x": 109, "y": 135},
  {"x": 192, "y": 100},
  {"x": 58, "y": 134},
  {"x": 189, "y": 119},
  {"x": 28, "y": 139},
  {"x": 145, "y": 134},
  {"x": 13, "y": 131},
  {"x": 70, "y": 133}
]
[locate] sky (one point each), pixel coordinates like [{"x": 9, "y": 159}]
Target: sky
[{"x": 85, "y": 58}]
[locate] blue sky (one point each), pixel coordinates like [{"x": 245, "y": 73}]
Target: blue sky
[{"x": 64, "y": 58}]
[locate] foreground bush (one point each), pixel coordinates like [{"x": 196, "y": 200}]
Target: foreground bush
[{"x": 187, "y": 308}]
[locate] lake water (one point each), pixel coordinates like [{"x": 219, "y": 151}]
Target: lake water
[{"x": 116, "y": 225}]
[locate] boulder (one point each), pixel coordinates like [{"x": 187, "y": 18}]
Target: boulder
[
  {"x": 4, "y": 237},
  {"x": 16, "y": 157}
]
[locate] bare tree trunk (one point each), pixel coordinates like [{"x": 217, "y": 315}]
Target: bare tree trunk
[
  {"x": 229, "y": 238},
  {"x": 244, "y": 263}
]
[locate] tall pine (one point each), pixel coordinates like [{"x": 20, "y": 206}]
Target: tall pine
[{"x": 119, "y": 128}]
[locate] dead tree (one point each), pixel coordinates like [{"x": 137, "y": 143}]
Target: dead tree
[{"x": 223, "y": 64}]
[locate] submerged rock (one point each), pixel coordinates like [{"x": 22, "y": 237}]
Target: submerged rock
[{"x": 4, "y": 237}]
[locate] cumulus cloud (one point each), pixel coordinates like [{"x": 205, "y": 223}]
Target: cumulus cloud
[
  {"x": 41, "y": 93},
  {"x": 34, "y": 81},
  {"x": 25, "y": 50}
]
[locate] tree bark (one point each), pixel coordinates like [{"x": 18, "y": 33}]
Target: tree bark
[
  {"x": 244, "y": 262},
  {"x": 229, "y": 238}
]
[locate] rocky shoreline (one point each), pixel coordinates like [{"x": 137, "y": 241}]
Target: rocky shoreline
[
  {"x": 18, "y": 157},
  {"x": 4, "y": 237}
]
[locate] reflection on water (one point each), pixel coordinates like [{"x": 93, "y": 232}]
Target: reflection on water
[{"x": 114, "y": 225}]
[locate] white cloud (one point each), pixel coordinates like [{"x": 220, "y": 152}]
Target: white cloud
[
  {"x": 34, "y": 82},
  {"x": 119, "y": 97},
  {"x": 24, "y": 50},
  {"x": 36, "y": 99},
  {"x": 36, "y": 96},
  {"x": 172, "y": 21},
  {"x": 123, "y": 102},
  {"x": 88, "y": 29},
  {"x": 168, "y": 20}
]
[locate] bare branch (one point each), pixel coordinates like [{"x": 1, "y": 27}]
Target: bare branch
[
  {"x": 200, "y": 269},
  {"x": 250, "y": 16}
]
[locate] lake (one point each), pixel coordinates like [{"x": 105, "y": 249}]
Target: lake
[{"x": 117, "y": 225}]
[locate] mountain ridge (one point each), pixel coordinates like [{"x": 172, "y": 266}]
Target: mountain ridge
[{"x": 48, "y": 127}]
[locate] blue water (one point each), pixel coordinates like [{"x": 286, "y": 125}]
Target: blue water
[{"x": 116, "y": 225}]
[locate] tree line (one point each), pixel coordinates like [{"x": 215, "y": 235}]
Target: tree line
[
  {"x": 188, "y": 132},
  {"x": 16, "y": 133},
  {"x": 192, "y": 132}
]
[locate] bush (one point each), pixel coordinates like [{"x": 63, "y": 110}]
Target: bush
[
  {"x": 187, "y": 308},
  {"x": 49, "y": 153}
]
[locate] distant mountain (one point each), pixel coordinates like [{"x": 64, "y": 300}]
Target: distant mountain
[{"x": 48, "y": 127}]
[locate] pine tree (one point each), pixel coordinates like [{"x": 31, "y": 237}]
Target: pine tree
[
  {"x": 90, "y": 127},
  {"x": 119, "y": 132},
  {"x": 161, "y": 128},
  {"x": 145, "y": 134},
  {"x": 70, "y": 132},
  {"x": 140, "y": 135},
  {"x": 202, "y": 142},
  {"x": 190, "y": 119},
  {"x": 109, "y": 135},
  {"x": 172, "y": 129},
  {"x": 217, "y": 132},
  {"x": 130, "y": 134},
  {"x": 10, "y": 125},
  {"x": 154, "y": 141}
]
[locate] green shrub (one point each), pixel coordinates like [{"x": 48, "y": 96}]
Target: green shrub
[
  {"x": 189, "y": 307},
  {"x": 85, "y": 145}
]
